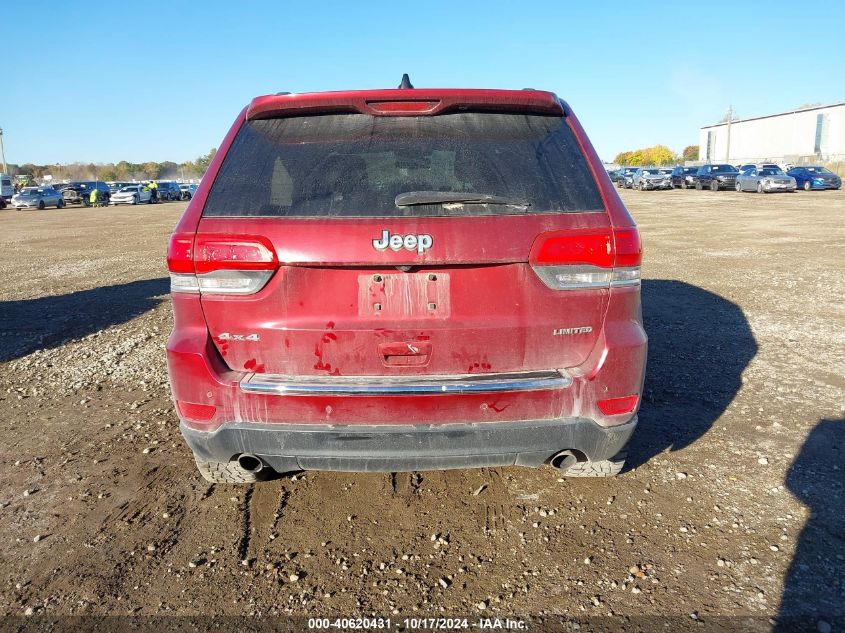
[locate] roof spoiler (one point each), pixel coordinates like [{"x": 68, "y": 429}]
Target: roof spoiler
[{"x": 405, "y": 102}]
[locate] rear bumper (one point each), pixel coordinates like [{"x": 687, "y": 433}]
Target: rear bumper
[{"x": 404, "y": 447}]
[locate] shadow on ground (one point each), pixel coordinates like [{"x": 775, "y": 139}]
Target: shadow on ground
[
  {"x": 699, "y": 345},
  {"x": 34, "y": 324},
  {"x": 814, "y": 588}
]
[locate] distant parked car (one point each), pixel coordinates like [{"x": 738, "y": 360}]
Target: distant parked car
[
  {"x": 716, "y": 177},
  {"x": 748, "y": 166},
  {"x": 168, "y": 190},
  {"x": 188, "y": 190},
  {"x": 131, "y": 194},
  {"x": 79, "y": 192},
  {"x": 7, "y": 189},
  {"x": 37, "y": 198},
  {"x": 625, "y": 176},
  {"x": 117, "y": 186},
  {"x": 815, "y": 178},
  {"x": 684, "y": 177},
  {"x": 764, "y": 180},
  {"x": 645, "y": 178}
]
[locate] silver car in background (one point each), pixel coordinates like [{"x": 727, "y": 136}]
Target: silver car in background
[
  {"x": 765, "y": 179},
  {"x": 131, "y": 194},
  {"x": 37, "y": 198},
  {"x": 646, "y": 178}
]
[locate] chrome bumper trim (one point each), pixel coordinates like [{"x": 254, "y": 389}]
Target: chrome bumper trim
[{"x": 275, "y": 384}]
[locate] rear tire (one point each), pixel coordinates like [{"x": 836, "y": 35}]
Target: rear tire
[
  {"x": 41, "y": 205},
  {"x": 605, "y": 468},
  {"x": 224, "y": 472},
  {"x": 60, "y": 204}
]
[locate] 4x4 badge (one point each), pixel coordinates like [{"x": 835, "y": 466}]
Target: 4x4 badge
[
  {"x": 226, "y": 336},
  {"x": 420, "y": 243}
]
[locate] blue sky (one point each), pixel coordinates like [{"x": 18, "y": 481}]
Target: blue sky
[{"x": 164, "y": 80}]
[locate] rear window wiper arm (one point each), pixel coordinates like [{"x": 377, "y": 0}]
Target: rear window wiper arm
[{"x": 411, "y": 198}]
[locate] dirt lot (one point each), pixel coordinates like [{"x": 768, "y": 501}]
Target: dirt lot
[{"x": 732, "y": 505}]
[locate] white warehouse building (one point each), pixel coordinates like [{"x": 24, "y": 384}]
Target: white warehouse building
[{"x": 815, "y": 134}]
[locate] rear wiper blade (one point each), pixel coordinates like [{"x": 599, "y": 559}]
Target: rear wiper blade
[{"x": 411, "y": 198}]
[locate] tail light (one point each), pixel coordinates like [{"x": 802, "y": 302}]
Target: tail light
[
  {"x": 570, "y": 260},
  {"x": 220, "y": 264}
]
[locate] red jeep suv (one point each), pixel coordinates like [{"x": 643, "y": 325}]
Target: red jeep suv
[{"x": 406, "y": 279}]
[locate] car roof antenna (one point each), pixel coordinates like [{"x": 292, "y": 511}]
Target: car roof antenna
[{"x": 406, "y": 82}]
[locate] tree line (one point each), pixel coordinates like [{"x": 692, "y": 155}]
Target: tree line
[
  {"x": 656, "y": 155},
  {"x": 124, "y": 170}
]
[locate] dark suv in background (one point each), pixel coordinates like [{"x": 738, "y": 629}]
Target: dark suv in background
[
  {"x": 625, "y": 178},
  {"x": 79, "y": 192},
  {"x": 716, "y": 176},
  {"x": 168, "y": 190},
  {"x": 684, "y": 177}
]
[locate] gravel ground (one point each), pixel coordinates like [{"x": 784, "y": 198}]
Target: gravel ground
[{"x": 732, "y": 504}]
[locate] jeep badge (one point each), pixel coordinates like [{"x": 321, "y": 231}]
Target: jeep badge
[{"x": 420, "y": 243}]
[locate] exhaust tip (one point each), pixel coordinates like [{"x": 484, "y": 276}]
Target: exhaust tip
[
  {"x": 564, "y": 460},
  {"x": 250, "y": 462}
]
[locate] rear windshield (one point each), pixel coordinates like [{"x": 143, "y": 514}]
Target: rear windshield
[{"x": 355, "y": 165}]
